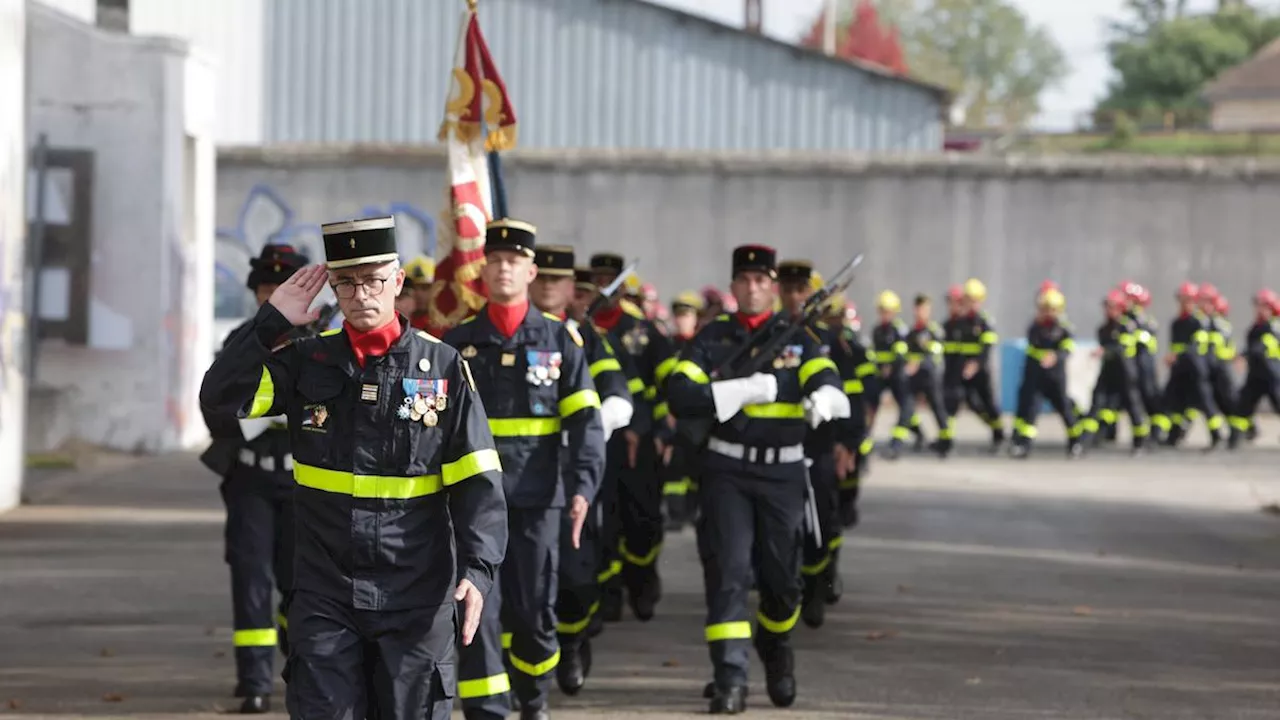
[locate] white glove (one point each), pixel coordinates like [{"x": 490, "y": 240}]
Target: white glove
[
  {"x": 826, "y": 403},
  {"x": 615, "y": 413},
  {"x": 731, "y": 395},
  {"x": 252, "y": 428}
]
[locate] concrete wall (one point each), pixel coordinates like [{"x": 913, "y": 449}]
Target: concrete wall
[
  {"x": 1246, "y": 115},
  {"x": 12, "y": 242},
  {"x": 923, "y": 222},
  {"x": 142, "y": 105}
]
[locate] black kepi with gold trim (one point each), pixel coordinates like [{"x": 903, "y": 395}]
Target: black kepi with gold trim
[
  {"x": 511, "y": 235},
  {"x": 757, "y": 258},
  {"x": 360, "y": 242},
  {"x": 274, "y": 265},
  {"x": 584, "y": 279},
  {"x": 797, "y": 271},
  {"x": 554, "y": 260},
  {"x": 607, "y": 263}
]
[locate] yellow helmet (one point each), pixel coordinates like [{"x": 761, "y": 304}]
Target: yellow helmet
[
  {"x": 836, "y": 303},
  {"x": 421, "y": 270},
  {"x": 889, "y": 300},
  {"x": 815, "y": 281},
  {"x": 633, "y": 283},
  {"x": 1053, "y": 299},
  {"x": 687, "y": 300},
  {"x": 974, "y": 288}
]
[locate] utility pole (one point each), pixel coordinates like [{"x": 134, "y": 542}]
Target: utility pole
[{"x": 829, "y": 28}]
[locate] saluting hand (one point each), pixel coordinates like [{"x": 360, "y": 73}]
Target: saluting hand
[
  {"x": 472, "y": 606},
  {"x": 294, "y": 296},
  {"x": 578, "y": 513}
]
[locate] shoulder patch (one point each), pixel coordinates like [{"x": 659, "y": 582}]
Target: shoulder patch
[
  {"x": 573, "y": 333},
  {"x": 331, "y": 333},
  {"x": 630, "y": 308},
  {"x": 466, "y": 372},
  {"x": 428, "y": 336},
  {"x": 551, "y": 317}
]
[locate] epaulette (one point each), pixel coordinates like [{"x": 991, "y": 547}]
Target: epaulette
[
  {"x": 469, "y": 320},
  {"x": 428, "y": 336},
  {"x": 822, "y": 325},
  {"x": 331, "y": 333},
  {"x": 722, "y": 317},
  {"x": 553, "y": 318},
  {"x": 573, "y": 333},
  {"x": 812, "y": 334},
  {"x": 630, "y": 308}
]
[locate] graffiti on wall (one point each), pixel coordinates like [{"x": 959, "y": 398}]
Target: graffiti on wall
[{"x": 266, "y": 216}]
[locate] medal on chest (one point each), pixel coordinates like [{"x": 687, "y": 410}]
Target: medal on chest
[
  {"x": 790, "y": 357},
  {"x": 544, "y": 367},
  {"x": 424, "y": 400}
]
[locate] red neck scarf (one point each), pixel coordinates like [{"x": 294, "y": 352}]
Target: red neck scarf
[
  {"x": 608, "y": 318},
  {"x": 507, "y": 318},
  {"x": 374, "y": 343},
  {"x": 753, "y": 322}
]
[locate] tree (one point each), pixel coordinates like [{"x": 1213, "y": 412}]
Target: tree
[
  {"x": 862, "y": 37},
  {"x": 1147, "y": 15},
  {"x": 993, "y": 60},
  {"x": 1166, "y": 69}
]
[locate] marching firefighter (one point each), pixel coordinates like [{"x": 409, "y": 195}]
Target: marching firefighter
[
  {"x": 535, "y": 381},
  {"x": 1222, "y": 353},
  {"x": 1044, "y": 376},
  {"x": 1262, "y": 353},
  {"x": 753, "y": 467},
  {"x": 978, "y": 379},
  {"x": 827, "y": 447},
  {"x": 1188, "y": 391},
  {"x": 1117, "y": 384},
  {"x": 924, "y": 378},
  {"x": 843, "y": 318},
  {"x": 639, "y": 507},
  {"x": 679, "y": 487},
  {"x": 256, "y": 466},
  {"x": 400, "y": 515},
  {"x": 578, "y": 599},
  {"x": 889, "y": 348},
  {"x": 1148, "y": 350}
]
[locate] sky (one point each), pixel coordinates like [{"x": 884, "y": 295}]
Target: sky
[{"x": 1078, "y": 25}]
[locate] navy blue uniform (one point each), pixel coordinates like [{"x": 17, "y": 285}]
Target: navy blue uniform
[
  {"x": 1189, "y": 392},
  {"x": 969, "y": 338},
  {"x": 889, "y": 348},
  {"x": 1262, "y": 352},
  {"x": 1045, "y": 338},
  {"x": 1117, "y": 385}
]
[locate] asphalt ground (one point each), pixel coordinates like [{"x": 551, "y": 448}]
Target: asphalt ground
[{"x": 980, "y": 587}]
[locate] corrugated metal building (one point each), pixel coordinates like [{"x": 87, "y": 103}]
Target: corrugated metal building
[{"x": 582, "y": 73}]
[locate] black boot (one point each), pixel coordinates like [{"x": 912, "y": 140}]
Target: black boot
[
  {"x": 1075, "y": 449},
  {"x": 644, "y": 600},
  {"x": 1019, "y": 450},
  {"x": 835, "y": 584},
  {"x": 943, "y": 447},
  {"x": 256, "y": 705},
  {"x": 535, "y": 714},
  {"x": 894, "y": 450},
  {"x": 575, "y": 664},
  {"x": 729, "y": 700},
  {"x": 611, "y": 601},
  {"x": 997, "y": 437},
  {"x": 779, "y": 671},
  {"x": 813, "y": 606}
]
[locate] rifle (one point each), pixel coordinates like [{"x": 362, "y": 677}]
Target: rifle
[
  {"x": 607, "y": 292},
  {"x": 751, "y": 358}
]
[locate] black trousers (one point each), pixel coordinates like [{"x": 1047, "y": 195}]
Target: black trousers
[
  {"x": 1258, "y": 384},
  {"x": 258, "y": 545},
  {"x": 899, "y": 386},
  {"x": 1189, "y": 390},
  {"x": 823, "y": 540},
  {"x": 1117, "y": 390},
  {"x": 1224, "y": 393},
  {"x": 1039, "y": 383},
  {"x": 1149, "y": 390},
  {"x": 927, "y": 381},
  {"x": 578, "y": 599},
  {"x": 609, "y": 571},
  {"x": 343, "y": 661},
  {"x": 978, "y": 392},
  {"x": 642, "y": 526},
  {"x": 518, "y": 627},
  {"x": 748, "y": 509}
]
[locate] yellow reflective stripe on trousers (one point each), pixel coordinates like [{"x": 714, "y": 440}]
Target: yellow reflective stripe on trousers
[
  {"x": 524, "y": 427},
  {"x": 661, "y": 410},
  {"x": 366, "y": 486},
  {"x": 470, "y": 465},
  {"x": 637, "y": 560},
  {"x": 574, "y": 628},
  {"x": 484, "y": 687},
  {"x": 775, "y": 411},
  {"x": 690, "y": 369},
  {"x": 535, "y": 669},
  {"x": 255, "y": 638},
  {"x": 282, "y": 621},
  {"x": 853, "y": 387},
  {"x": 609, "y": 573},
  {"x": 264, "y": 397},
  {"x": 580, "y": 400},
  {"x": 604, "y": 365},
  {"x": 778, "y": 627},
  {"x": 815, "y": 366},
  {"x": 740, "y": 630},
  {"x": 506, "y": 641}
]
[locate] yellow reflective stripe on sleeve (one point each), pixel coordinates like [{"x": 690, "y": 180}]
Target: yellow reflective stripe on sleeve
[
  {"x": 661, "y": 410},
  {"x": 535, "y": 669},
  {"x": 865, "y": 369},
  {"x": 604, "y": 365},
  {"x": 690, "y": 369},
  {"x": 665, "y": 368},
  {"x": 815, "y": 366},
  {"x": 740, "y": 630},
  {"x": 1036, "y": 353},
  {"x": 778, "y": 627},
  {"x": 580, "y": 400},
  {"x": 988, "y": 338},
  {"x": 651, "y": 393},
  {"x": 900, "y": 347},
  {"x": 282, "y": 621},
  {"x": 853, "y": 387},
  {"x": 635, "y": 385},
  {"x": 775, "y": 411},
  {"x": 264, "y": 397},
  {"x": 1067, "y": 344},
  {"x": 523, "y": 427},
  {"x": 470, "y": 465},
  {"x": 366, "y": 486},
  {"x": 484, "y": 687},
  {"x": 255, "y": 638},
  {"x": 506, "y": 641}
]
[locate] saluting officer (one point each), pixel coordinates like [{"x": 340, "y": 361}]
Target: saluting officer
[
  {"x": 639, "y": 506},
  {"x": 579, "y": 598},
  {"x": 256, "y": 466},
  {"x": 754, "y": 478},
  {"x": 535, "y": 381},
  {"x": 396, "y": 475}
]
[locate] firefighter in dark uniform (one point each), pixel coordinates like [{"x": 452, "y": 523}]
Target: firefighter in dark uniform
[
  {"x": 544, "y": 411},
  {"x": 1148, "y": 351},
  {"x": 578, "y": 599},
  {"x": 256, "y": 466},
  {"x": 1188, "y": 391},
  {"x": 1117, "y": 384},
  {"x": 843, "y": 317},
  {"x": 679, "y": 486},
  {"x": 823, "y": 445},
  {"x": 418, "y": 274},
  {"x": 1044, "y": 376},
  {"x": 977, "y": 342},
  {"x": 1222, "y": 354},
  {"x": 1262, "y": 353},
  {"x": 889, "y": 348},
  {"x": 754, "y": 469},
  {"x": 924, "y": 377},
  {"x": 639, "y": 507},
  {"x": 399, "y": 503}
]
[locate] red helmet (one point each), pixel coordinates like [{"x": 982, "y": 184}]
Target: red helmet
[
  {"x": 955, "y": 292},
  {"x": 1118, "y": 298},
  {"x": 1125, "y": 285},
  {"x": 1275, "y": 307},
  {"x": 1208, "y": 291},
  {"x": 1221, "y": 306},
  {"x": 1188, "y": 291},
  {"x": 1265, "y": 297},
  {"x": 1048, "y": 285},
  {"x": 649, "y": 292}
]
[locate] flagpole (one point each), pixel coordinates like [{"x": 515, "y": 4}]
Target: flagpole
[{"x": 496, "y": 186}]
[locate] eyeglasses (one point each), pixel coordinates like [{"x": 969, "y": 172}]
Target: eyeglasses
[{"x": 346, "y": 289}]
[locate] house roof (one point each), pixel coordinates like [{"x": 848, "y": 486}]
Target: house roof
[
  {"x": 942, "y": 93},
  {"x": 1257, "y": 78}
]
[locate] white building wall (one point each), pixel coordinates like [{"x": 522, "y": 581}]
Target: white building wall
[{"x": 12, "y": 243}]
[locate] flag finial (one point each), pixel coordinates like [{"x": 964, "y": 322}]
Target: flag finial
[{"x": 471, "y": 5}]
